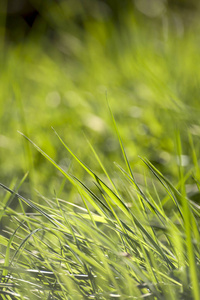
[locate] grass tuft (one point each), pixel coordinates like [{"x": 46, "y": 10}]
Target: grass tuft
[{"x": 106, "y": 248}]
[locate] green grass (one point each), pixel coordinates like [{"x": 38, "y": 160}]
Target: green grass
[
  {"x": 122, "y": 242},
  {"x": 105, "y": 205}
]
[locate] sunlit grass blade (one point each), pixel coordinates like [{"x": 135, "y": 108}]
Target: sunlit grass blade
[
  {"x": 121, "y": 144},
  {"x": 102, "y": 167},
  {"x": 76, "y": 157}
]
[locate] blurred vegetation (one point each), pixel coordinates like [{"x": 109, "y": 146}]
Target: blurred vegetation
[{"x": 59, "y": 62}]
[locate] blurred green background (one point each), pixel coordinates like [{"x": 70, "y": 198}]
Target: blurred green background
[{"x": 61, "y": 59}]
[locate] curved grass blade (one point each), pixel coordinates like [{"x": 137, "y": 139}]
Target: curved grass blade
[
  {"x": 7, "y": 256},
  {"x": 32, "y": 205},
  {"x": 171, "y": 190},
  {"x": 23, "y": 242},
  {"x": 102, "y": 167}
]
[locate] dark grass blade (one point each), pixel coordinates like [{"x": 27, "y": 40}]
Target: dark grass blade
[
  {"x": 171, "y": 190},
  {"x": 32, "y": 205}
]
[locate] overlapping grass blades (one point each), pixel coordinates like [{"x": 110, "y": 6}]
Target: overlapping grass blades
[{"x": 106, "y": 250}]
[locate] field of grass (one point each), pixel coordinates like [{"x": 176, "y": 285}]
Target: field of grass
[{"x": 99, "y": 155}]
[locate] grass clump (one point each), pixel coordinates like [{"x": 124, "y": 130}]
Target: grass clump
[{"x": 126, "y": 241}]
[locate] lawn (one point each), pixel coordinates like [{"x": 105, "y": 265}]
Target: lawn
[{"x": 99, "y": 153}]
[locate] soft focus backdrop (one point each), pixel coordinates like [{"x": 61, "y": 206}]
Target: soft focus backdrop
[{"x": 61, "y": 61}]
